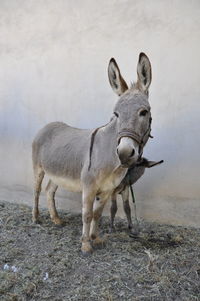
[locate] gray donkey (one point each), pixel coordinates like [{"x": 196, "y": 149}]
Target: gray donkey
[
  {"x": 134, "y": 173},
  {"x": 94, "y": 162}
]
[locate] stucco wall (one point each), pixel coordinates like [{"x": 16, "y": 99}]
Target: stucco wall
[{"x": 53, "y": 66}]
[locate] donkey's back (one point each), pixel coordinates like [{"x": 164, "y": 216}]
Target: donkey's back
[{"x": 57, "y": 147}]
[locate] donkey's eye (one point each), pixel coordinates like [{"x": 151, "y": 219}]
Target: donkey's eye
[
  {"x": 143, "y": 113},
  {"x": 116, "y": 114}
]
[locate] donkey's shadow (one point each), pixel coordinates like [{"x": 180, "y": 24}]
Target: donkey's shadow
[
  {"x": 158, "y": 242},
  {"x": 147, "y": 238}
]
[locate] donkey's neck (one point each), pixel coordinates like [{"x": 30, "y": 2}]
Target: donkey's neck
[
  {"x": 107, "y": 144},
  {"x": 105, "y": 163},
  {"x": 109, "y": 134}
]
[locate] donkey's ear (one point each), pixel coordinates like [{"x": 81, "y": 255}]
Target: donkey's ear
[
  {"x": 153, "y": 163},
  {"x": 144, "y": 72},
  {"x": 116, "y": 80}
]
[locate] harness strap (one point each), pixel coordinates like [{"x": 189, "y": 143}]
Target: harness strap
[
  {"x": 130, "y": 133},
  {"x": 91, "y": 146},
  {"x": 92, "y": 142}
]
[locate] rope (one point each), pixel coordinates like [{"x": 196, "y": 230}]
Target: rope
[{"x": 133, "y": 199}]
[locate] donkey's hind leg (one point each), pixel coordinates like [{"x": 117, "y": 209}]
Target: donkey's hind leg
[
  {"x": 38, "y": 175},
  {"x": 127, "y": 209},
  {"x": 51, "y": 190},
  {"x": 134, "y": 231}
]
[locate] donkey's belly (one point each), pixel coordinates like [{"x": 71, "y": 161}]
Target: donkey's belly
[{"x": 69, "y": 184}]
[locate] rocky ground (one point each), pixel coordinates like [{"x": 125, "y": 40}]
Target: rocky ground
[{"x": 44, "y": 262}]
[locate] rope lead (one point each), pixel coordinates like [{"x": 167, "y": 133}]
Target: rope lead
[{"x": 134, "y": 202}]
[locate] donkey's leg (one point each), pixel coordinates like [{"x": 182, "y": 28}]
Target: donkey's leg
[
  {"x": 87, "y": 207},
  {"x": 38, "y": 175},
  {"x": 113, "y": 210},
  {"x": 127, "y": 209},
  {"x": 51, "y": 190},
  {"x": 97, "y": 212}
]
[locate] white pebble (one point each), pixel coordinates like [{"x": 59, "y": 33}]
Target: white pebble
[
  {"x": 14, "y": 269},
  {"x": 6, "y": 267},
  {"x": 46, "y": 276}
]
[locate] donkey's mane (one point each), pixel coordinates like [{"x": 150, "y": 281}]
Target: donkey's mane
[
  {"x": 92, "y": 141},
  {"x": 136, "y": 86}
]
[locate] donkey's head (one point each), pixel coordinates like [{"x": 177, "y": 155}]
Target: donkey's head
[{"x": 132, "y": 110}]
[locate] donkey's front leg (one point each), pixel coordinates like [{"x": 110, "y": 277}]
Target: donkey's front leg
[
  {"x": 87, "y": 207},
  {"x": 97, "y": 212}
]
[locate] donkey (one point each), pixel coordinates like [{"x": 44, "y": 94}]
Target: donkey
[
  {"x": 94, "y": 162},
  {"x": 134, "y": 173}
]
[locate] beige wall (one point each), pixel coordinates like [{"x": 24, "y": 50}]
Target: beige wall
[{"x": 53, "y": 66}]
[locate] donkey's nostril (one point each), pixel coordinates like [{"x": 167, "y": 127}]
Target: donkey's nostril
[{"x": 133, "y": 153}]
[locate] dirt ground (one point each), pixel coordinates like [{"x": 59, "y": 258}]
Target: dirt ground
[{"x": 43, "y": 262}]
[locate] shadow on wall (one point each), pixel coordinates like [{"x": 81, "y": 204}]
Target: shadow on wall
[{"x": 175, "y": 142}]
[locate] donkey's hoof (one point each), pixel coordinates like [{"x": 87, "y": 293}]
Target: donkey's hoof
[
  {"x": 86, "y": 253},
  {"x": 36, "y": 221},
  {"x": 58, "y": 222},
  {"x": 59, "y": 226},
  {"x": 36, "y": 217},
  {"x": 112, "y": 229},
  {"x": 98, "y": 243},
  {"x": 134, "y": 233},
  {"x": 86, "y": 249}
]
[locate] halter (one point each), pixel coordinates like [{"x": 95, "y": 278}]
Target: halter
[
  {"x": 131, "y": 134},
  {"x": 124, "y": 133},
  {"x": 135, "y": 136}
]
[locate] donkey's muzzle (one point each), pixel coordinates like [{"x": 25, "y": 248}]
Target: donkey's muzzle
[
  {"x": 124, "y": 158},
  {"x": 127, "y": 151}
]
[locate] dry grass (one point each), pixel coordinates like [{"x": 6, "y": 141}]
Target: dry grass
[{"x": 43, "y": 262}]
